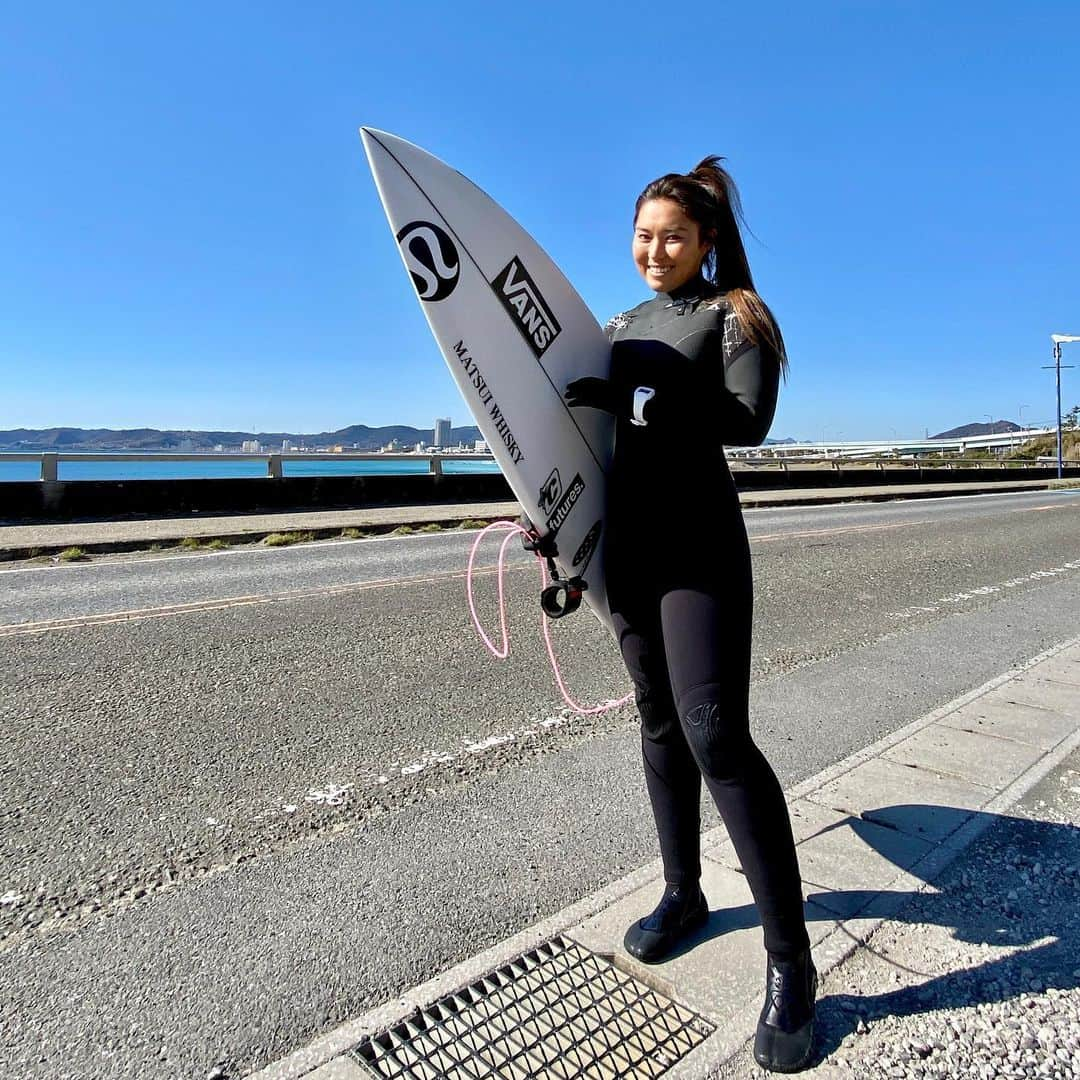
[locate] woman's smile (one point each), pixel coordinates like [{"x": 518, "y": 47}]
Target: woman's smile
[{"x": 667, "y": 248}]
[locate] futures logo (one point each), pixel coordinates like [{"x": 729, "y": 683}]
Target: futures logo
[
  {"x": 431, "y": 258},
  {"x": 550, "y": 492},
  {"x": 566, "y": 504},
  {"x": 526, "y": 306}
]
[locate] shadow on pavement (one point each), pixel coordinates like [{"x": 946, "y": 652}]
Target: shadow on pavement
[
  {"x": 1015, "y": 887},
  {"x": 982, "y": 897}
]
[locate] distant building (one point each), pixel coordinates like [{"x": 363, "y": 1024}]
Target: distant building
[
  {"x": 418, "y": 448},
  {"x": 480, "y": 446},
  {"x": 442, "y": 432},
  {"x": 251, "y": 446},
  {"x": 286, "y": 446}
]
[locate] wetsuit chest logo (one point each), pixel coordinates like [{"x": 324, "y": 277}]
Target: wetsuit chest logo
[{"x": 525, "y": 305}]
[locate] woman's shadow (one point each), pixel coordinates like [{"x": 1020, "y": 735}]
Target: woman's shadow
[{"x": 1017, "y": 885}]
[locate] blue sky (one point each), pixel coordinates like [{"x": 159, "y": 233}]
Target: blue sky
[{"x": 190, "y": 237}]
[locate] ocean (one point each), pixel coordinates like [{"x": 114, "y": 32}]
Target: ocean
[{"x": 102, "y": 468}]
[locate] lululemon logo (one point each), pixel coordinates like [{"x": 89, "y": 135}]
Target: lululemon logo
[{"x": 431, "y": 258}]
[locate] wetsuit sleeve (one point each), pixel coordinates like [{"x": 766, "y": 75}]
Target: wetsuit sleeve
[{"x": 751, "y": 384}]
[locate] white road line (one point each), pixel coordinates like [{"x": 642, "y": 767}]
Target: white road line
[
  {"x": 770, "y": 537},
  {"x": 981, "y": 590},
  {"x": 382, "y": 773},
  {"x": 165, "y": 611},
  {"x": 904, "y": 502}
]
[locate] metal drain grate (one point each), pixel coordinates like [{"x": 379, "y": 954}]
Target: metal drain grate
[{"x": 558, "y": 1012}]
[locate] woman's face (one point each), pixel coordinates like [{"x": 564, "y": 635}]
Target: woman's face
[{"x": 668, "y": 249}]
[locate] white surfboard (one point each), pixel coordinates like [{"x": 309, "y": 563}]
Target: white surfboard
[{"x": 514, "y": 332}]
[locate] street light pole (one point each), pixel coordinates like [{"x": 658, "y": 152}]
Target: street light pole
[
  {"x": 1020, "y": 417},
  {"x": 1057, "y": 339}
]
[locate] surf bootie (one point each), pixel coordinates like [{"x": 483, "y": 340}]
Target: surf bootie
[
  {"x": 681, "y": 911},
  {"x": 785, "y": 1030}
]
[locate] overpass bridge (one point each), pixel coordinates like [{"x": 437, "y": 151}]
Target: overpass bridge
[{"x": 1002, "y": 440}]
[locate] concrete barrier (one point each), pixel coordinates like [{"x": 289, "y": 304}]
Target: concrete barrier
[
  {"x": 95, "y": 500},
  {"x": 74, "y": 500}
]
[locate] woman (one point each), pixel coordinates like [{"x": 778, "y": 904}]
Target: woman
[{"x": 694, "y": 368}]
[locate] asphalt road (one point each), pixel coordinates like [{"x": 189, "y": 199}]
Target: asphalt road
[{"x": 246, "y": 795}]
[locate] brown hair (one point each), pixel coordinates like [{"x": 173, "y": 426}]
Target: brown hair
[{"x": 708, "y": 197}]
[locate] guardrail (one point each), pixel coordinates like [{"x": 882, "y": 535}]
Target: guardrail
[
  {"x": 50, "y": 462},
  {"x": 880, "y": 464}
]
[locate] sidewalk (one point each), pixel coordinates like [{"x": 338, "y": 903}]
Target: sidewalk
[
  {"x": 934, "y": 915},
  {"x": 24, "y": 541}
]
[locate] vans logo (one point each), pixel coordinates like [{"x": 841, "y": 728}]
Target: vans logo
[
  {"x": 550, "y": 492},
  {"x": 566, "y": 504},
  {"x": 584, "y": 554},
  {"x": 431, "y": 258},
  {"x": 526, "y": 306}
]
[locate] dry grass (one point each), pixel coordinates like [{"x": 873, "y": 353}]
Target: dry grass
[{"x": 285, "y": 539}]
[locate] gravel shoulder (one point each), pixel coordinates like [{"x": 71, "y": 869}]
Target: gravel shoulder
[{"x": 979, "y": 976}]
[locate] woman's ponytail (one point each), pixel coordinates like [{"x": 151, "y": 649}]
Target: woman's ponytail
[{"x": 709, "y": 197}]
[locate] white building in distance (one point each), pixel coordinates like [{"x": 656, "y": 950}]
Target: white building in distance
[{"x": 442, "y": 432}]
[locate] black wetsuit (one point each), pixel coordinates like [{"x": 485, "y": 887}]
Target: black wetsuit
[{"x": 680, "y": 589}]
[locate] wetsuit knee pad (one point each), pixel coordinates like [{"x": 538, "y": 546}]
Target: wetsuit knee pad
[
  {"x": 716, "y": 727},
  {"x": 658, "y": 720}
]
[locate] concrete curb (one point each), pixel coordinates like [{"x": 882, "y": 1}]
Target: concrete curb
[
  {"x": 106, "y": 537},
  {"x": 26, "y": 541},
  {"x": 836, "y": 946}
]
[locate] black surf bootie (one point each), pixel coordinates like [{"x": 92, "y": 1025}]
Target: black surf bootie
[
  {"x": 785, "y": 1031},
  {"x": 681, "y": 911}
]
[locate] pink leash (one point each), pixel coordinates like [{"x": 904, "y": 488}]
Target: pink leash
[{"x": 501, "y": 652}]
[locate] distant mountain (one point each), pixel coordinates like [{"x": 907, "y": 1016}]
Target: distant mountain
[
  {"x": 147, "y": 440},
  {"x": 998, "y": 427},
  {"x": 74, "y": 440}
]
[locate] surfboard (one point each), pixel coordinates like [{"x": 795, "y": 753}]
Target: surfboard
[{"x": 513, "y": 332}]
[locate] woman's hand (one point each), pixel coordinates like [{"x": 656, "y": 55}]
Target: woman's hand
[{"x": 594, "y": 393}]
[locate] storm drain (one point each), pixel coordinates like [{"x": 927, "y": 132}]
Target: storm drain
[{"x": 558, "y": 1012}]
